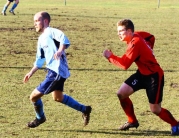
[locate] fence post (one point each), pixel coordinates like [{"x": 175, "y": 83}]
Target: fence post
[{"x": 158, "y": 3}]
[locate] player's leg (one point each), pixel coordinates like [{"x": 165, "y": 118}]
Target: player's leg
[
  {"x": 131, "y": 84},
  {"x": 123, "y": 94},
  {"x": 6, "y": 6},
  {"x": 155, "y": 94},
  {"x": 166, "y": 116},
  {"x": 35, "y": 98},
  {"x": 14, "y": 6},
  {"x": 69, "y": 101}
]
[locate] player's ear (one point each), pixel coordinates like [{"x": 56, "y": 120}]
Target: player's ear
[
  {"x": 46, "y": 21},
  {"x": 129, "y": 31}
]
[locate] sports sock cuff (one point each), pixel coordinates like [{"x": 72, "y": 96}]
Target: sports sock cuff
[
  {"x": 65, "y": 99},
  {"x": 38, "y": 102}
]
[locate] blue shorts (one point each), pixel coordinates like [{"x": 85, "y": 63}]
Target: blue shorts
[{"x": 52, "y": 82}]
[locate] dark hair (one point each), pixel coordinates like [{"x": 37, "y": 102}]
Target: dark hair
[
  {"x": 127, "y": 23},
  {"x": 46, "y": 15}
]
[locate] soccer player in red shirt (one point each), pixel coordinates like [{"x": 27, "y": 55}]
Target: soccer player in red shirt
[{"x": 149, "y": 76}]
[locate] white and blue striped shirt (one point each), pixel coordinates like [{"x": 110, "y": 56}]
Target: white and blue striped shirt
[{"x": 48, "y": 44}]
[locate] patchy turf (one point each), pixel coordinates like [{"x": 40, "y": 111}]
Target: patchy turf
[{"x": 91, "y": 28}]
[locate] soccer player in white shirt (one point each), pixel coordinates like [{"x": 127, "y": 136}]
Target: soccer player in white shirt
[{"x": 51, "y": 49}]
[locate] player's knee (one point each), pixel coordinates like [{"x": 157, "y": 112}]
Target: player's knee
[
  {"x": 32, "y": 99},
  {"x": 35, "y": 96},
  {"x": 17, "y": 1},
  {"x": 57, "y": 96},
  {"x": 155, "y": 111},
  {"x": 155, "y": 108},
  {"x": 120, "y": 96},
  {"x": 56, "y": 99}
]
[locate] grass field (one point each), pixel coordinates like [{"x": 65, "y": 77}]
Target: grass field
[{"x": 91, "y": 28}]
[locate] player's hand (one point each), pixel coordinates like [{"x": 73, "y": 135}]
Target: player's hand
[
  {"x": 27, "y": 77},
  {"x": 57, "y": 55},
  {"x": 107, "y": 53}
]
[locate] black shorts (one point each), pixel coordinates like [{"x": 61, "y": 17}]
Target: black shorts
[
  {"x": 11, "y": 0},
  {"x": 153, "y": 84}
]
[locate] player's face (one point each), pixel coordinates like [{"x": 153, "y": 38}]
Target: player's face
[
  {"x": 122, "y": 33},
  {"x": 38, "y": 23}
]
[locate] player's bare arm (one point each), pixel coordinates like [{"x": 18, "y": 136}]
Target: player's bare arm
[
  {"x": 58, "y": 54},
  {"x": 29, "y": 74}
]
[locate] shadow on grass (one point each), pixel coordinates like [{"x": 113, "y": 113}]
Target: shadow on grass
[
  {"x": 72, "y": 16},
  {"x": 141, "y": 132},
  {"x": 117, "y": 132},
  {"x": 2, "y": 117},
  {"x": 87, "y": 69}
]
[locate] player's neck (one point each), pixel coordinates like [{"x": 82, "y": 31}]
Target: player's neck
[
  {"x": 128, "y": 40},
  {"x": 45, "y": 27}
]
